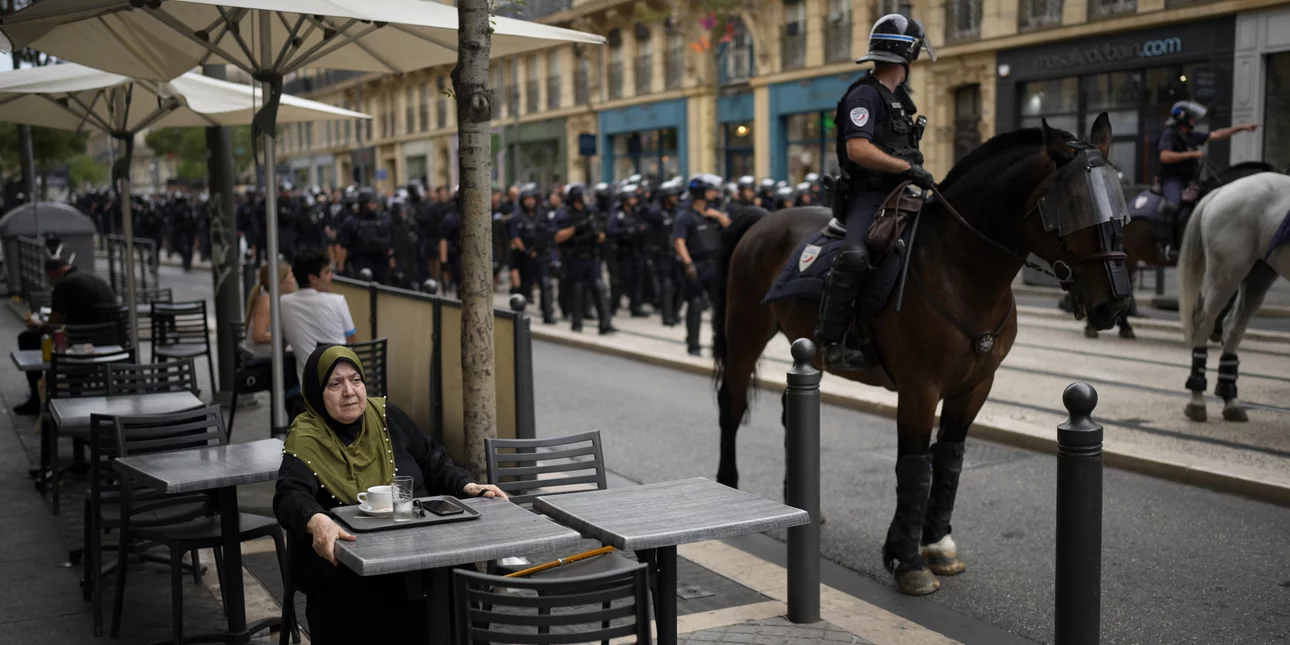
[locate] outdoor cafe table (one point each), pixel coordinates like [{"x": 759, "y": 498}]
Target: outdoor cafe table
[
  {"x": 221, "y": 468},
  {"x": 72, "y": 416},
  {"x": 33, "y": 360},
  {"x": 503, "y": 530},
  {"x": 653, "y": 519}
]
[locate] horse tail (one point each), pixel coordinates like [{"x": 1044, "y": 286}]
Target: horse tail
[
  {"x": 742, "y": 221},
  {"x": 1191, "y": 270}
]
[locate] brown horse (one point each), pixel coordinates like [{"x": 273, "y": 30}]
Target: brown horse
[
  {"x": 1142, "y": 243},
  {"x": 965, "y": 269}
]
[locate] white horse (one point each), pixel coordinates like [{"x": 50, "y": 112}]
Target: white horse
[{"x": 1224, "y": 250}]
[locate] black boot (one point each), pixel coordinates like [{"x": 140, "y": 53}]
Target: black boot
[
  {"x": 548, "y": 306},
  {"x": 601, "y": 303},
  {"x": 938, "y": 550},
  {"x": 693, "y": 323},
  {"x": 578, "y": 304},
  {"x": 900, "y": 554},
  {"x": 837, "y": 307}
]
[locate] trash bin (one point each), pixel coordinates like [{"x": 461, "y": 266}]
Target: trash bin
[{"x": 72, "y": 227}]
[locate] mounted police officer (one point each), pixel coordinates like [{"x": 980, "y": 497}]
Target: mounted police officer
[
  {"x": 580, "y": 233},
  {"x": 367, "y": 238},
  {"x": 697, "y": 239},
  {"x": 877, "y": 145},
  {"x": 530, "y": 235},
  {"x": 1180, "y": 167}
]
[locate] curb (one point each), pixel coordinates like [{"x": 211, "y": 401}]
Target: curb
[
  {"x": 1154, "y": 323},
  {"x": 1266, "y": 311},
  {"x": 1173, "y": 466}
]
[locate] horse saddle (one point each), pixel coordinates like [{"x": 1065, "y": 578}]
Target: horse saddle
[{"x": 892, "y": 218}]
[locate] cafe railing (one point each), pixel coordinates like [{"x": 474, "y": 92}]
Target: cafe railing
[
  {"x": 424, "y": 358},
  {"x": 32, "y": 254},
  {"x": 145, "y": 262}
]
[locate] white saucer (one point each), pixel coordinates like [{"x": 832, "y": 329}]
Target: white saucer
[{"x": 367, "y": 510}]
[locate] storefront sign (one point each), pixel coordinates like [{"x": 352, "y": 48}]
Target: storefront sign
[
  {"x": 1181, "y": 42},
  {"x": 1109, "y": 53}
]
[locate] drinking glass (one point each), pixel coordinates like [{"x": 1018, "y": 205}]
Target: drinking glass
[{"x": 401, "y": 493}]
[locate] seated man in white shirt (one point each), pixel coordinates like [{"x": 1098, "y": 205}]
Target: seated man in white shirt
[{"x": 314, "y": 316}]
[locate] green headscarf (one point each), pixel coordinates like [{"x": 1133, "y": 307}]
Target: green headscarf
[{"x": 342, "y": 470}]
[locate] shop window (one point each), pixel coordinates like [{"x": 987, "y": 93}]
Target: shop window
[
  {"x": 1109, "y": 8},
  {"x": 650, "y": 152},
  {"x": 962, "y": 20},
  {"x": 737, "y": 149},
  {"x": 1117, "y": 94},
  {"x": 1055, "y": 100},
  {"x": 811, "y": 145},
  {"x": 1276, "y": 112},
  {"x": 792, "y": 45},
  {"x": 967, "y": 120},
  {"x": 837, "y": 32},
  {"x": 1036, "y": 14}
]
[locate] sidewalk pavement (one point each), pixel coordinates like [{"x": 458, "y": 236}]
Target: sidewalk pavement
[{"x": 727, "y": 595}]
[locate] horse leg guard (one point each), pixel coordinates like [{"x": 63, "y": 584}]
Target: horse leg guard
[
  {"x": 900, "y": 554},
  {"x": 938, "y": 548},
  {"x": 1195, "y": 409},
  {"x": 1228, "y": 365},
  {"x": 837, "y": 307}
]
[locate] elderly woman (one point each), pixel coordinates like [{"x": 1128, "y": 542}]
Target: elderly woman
[{"x": 344, "y": 443}]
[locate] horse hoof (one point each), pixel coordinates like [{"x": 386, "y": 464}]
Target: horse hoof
[
  {"x": 916, "y": 582},
  {"x": 1196, "y": 412},
  {"x": 1127, "y": 333},
  {"x": 1089, "y": 332},
  {"x": 1235, "y": 413},
  {"x": 943, "y": 558}
]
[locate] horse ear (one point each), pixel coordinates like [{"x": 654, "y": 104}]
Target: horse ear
[
  {"x": 1100, "y": 135},
  {"x": 1055, "y": 143}
]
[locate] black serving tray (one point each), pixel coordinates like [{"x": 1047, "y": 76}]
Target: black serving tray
[{"x": 360, "y": 523}]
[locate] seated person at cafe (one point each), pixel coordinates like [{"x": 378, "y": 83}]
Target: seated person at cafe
[
  {"x": 73, "y": 302},
  {"x": 258, "y": 333},
  {"x": 313, "y": 316},
  {"x": 341, "y": 445}
]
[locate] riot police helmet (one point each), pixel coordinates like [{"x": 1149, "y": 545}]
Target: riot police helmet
[
  {"x": 530, "y": 190},
  {"x": 766, "y": 187},
  {"x": 416, "y": 192},
  {"x": 812, "y": 178},
  {"x": 604, "y": 191},
  {"x": 897, "y": 39},
  {"x": 286, "y": 187},
  {"x": 1184, "y": 111},
  {"x": 575, "y": 193},
  {"x": 701, "y": 183},
  {"x": 747, "y": 182},
  {"x": 365, "y": 196},
  {"x": 670, "y": 188},
  {"x": 629, "y": 191},
  {"x": 784, "y": 194}
]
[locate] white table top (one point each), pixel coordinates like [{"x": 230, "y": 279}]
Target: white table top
[
  {"x": 198, "y": 469},
  {"x": 651, "y": 516},
  {"x": 502, "y": 530},
  {"x": 74, "y": 414}
]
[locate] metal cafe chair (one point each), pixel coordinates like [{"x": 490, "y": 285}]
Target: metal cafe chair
[
  {"x": 97, "y": 334},
  {"x": 153, "y": 378},
  {"x": 373, "y": 354},
  {"x": 180, "y": 330},
  {"x": 544, "y": 611}
]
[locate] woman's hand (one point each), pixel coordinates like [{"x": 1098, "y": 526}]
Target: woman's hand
[
  {"x": 483, "y": 490},
  {"x": 325, "y": 533}
]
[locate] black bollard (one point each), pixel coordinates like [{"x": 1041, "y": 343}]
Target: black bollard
[
  {"x": 1079, "y": 520},
  {"x": 802, "y": 423}
]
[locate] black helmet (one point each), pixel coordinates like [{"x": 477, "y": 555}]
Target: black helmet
[
  {"x": 416, "y": 192},
  {"x": 897, "y": 39},
  {"x": 576, "y": 192},
  {"x": 1183, "y": 111},
  {"x": 604, "y": 191},
  {"x": 701, "y": 183},
  {"x": 670, "y": 188},
  {"x": 365, "y": 195},
  {"x": 530, "y": 190},
  {"x": 629, "y": 191},
  {"x": 747, "y": 181}
]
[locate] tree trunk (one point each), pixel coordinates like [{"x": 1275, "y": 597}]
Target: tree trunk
[{"x": 474, "y": 111}]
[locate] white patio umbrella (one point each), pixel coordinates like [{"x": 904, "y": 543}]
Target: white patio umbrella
[
  {"x": 75, "y": 97},
  {"x": 268, "y": 39}
]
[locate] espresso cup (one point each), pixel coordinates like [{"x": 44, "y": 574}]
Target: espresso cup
[{"x": 377, "y": 498}]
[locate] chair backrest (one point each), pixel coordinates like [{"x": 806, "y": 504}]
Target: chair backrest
[
  {"x": 147, "y": 296},
  {"x": 529, "y": 468},
  {"x": 74, "y": 375},
  {"x": 153, "y": 378},
  {"x": 98, "y": 334},
  {"x": 543, "y": 611},
  {"x": 238, "y": 329},
  {"x": 373, "y": 355},
  {"x": 180, "y": 322},
  {"x": 124, "y": 436}
]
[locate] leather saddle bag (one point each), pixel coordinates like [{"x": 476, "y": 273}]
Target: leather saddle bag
[{"x": 890, "y": 221}]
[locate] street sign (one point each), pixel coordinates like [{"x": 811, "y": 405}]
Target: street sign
[
  {"x": 587, "y": 145},
  {"x": 382, "y": 174}
]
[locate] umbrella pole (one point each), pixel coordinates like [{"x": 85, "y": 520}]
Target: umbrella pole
[
  {"x": 127, "y": 220},
  {"x": 278, "y": 420}
]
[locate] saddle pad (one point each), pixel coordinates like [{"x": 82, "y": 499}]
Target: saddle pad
[
  {"x": 1146, "y": 205},
  {"x": 1282, "y": 236},
  {"x": 804, "y": 275}
]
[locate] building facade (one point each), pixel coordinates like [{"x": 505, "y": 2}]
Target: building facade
[{"x": 756, "y": 96}]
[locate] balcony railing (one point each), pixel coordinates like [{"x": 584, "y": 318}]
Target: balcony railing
[
  {"x": 531, "y": 95},
  {"x": 673, "y": 68},
  {"x": 1037, "y": 14},
  {"x": 553, "y": 92},
  {"x": 837, "y": 39},
  {"x": 793, "y": 47},
  {"x": 581, "y": 88},
  {"x": 441, "y": 113},
  {"x": 615, "y": 80},
  {"x": 644, "y": 74},
  {"x": 962, "y": 20},
  {"x": 1108, "y": 8}
]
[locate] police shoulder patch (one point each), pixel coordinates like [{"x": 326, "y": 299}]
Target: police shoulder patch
[
  {"x": 810, "y": 253},
  {"x": 860, "y": 116}
]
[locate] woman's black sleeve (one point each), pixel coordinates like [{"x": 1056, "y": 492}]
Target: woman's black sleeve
[
  {"x": 442, "y": 477},
  {"x": 295, "y": 500}
]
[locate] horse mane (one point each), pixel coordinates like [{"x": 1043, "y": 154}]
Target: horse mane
[{"x": 984, "y": 159}]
